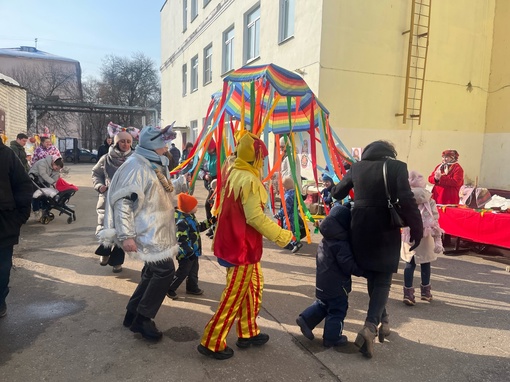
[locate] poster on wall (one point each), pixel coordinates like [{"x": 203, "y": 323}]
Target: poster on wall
[
  {"x": 356, "y": 153},
  {"x": 303, "y": 154}
]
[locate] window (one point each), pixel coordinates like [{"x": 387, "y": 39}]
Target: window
[
  {"x": 194, "y": 130},
  {"x": 194, "y": 9},
  {"x": 208, "y": 64},
  {"x": 206, "y": 2},
  {"x": 286, "y": 19},
  {"x": 194, "y": 73},
  {"x": 228, "y": 50},
  {"x": 252, "y": 33},
  {"x": 184, "y": 15},
  {"x": 184, "y": 80}
]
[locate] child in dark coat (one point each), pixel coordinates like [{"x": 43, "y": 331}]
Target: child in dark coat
[
  {"x": 335, "y": 265},
  {"x": 190, "y": 246}
]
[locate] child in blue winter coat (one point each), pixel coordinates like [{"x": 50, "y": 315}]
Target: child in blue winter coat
[
  {"x": 335, "y": 265},
  {"x": 190, "y": 245}
]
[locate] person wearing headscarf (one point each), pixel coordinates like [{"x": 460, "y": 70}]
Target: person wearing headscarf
[
  {"x": 138, "y": 212},
  {"x": 431, "y": 244},
  {"x": 447, "y": 178},
  {"x": 45, "y": 149},
  {"x": 102, "y": 174},
  {"x": 241, "y": 215},
  {"x": 375, "y": 242}
]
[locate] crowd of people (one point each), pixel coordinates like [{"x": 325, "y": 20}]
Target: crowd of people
[{"x": 136, "y": 197}]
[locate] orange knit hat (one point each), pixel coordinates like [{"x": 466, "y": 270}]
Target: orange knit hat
[{"x": 186, "y": 202}]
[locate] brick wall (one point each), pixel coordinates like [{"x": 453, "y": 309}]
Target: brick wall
[{"x": 13, "y": 101}]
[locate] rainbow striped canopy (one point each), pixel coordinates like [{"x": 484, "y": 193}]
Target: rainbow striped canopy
[{"x": 279, "y": 92}]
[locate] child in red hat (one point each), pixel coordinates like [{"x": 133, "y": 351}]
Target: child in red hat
[{"x": 190, "y": 246}]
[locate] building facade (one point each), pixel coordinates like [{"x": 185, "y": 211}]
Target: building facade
[
  {"x": 353, "y": 55},
  {"x": 13, "y": 108},
  {"x": 46, "y": 77}
]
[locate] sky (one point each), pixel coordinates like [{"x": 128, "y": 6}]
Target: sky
[{"x": 83, "y": 30}]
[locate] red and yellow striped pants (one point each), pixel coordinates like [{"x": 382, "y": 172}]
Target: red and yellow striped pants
[{"x": 240, "y": 299}]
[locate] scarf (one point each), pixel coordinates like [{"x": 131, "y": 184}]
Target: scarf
[
  {"x": 162, "y": 160},
  {"x": 114, "y": 159},
  {"x": 445, "y": 167}
]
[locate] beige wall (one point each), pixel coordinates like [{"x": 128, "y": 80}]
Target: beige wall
[
  {"x": 289, "y": 54},
  {"x": 13, "y": 100},
  {"x": 354, "y": 58},
  {"x": 363, "y": 77},
  {"x": 494, "y": 169}
]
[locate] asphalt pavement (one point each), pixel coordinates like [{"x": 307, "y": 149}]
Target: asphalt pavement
[{"x": 65, "y": 311}]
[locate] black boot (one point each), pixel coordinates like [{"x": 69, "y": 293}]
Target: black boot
[
  {"x": 146, "y": 327},
  {"x": 258, "y": 340}
]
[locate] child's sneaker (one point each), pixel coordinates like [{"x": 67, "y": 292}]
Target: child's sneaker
[{"x": 296, "y": 247}]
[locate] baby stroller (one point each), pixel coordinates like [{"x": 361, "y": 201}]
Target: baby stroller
[{"x": 49, "y": 198}]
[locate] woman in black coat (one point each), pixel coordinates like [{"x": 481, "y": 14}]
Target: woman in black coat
[
  {"x": 15, "y": 199},
  {"x": 375, "y": 244}
]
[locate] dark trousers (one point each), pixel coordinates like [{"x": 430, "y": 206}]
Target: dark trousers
[
  {"x": 208, "y": 205},
  {"x": 409, "y": 273},
  {"x": 117, "y": 254},
  {"x": 188, "y": 269},
  {"x": 333, "y": 310},
  {"x": 152, "y": 288},
  {"x": 5, "y": 271},
  {"x": 378, "y": 285}
]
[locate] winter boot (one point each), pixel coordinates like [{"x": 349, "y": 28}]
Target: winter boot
[
  {"x": 365, "y": 339},
  {"x": 384, "y": 328},
  {"x": 409, "y": 296},
  {"x": 425, "y": 293}
]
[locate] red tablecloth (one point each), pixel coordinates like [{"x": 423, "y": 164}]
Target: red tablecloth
[{"x": 486, "y": 228}]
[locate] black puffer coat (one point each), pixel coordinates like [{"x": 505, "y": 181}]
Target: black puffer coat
[
  {"x": 335, "y": 263},
  {"x": 375, "y": 244},
  {"x": 15, "y": 196}
]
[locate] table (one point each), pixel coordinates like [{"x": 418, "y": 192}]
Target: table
[{"x": 483, "y": 227}]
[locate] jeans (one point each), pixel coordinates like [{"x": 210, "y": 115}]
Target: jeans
[
  {"x": 5, "y": 271},
  {"x": 151, "y": 290},
  {"x": 409, "y": 273},
  {"x": 188, "y": 269},
  {"x": 378, "y": 285},
  {"x": 333, "y": 310}
]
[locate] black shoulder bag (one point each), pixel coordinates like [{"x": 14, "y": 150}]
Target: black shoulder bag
[{"x": 396, "y": 220}]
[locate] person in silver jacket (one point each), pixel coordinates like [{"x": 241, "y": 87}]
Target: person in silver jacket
[
  {"x": 102, "y": 175},
  {"x": 139, "y": 217}
]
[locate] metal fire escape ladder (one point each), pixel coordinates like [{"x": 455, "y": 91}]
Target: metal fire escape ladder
[{"x": 416, "y": 59}]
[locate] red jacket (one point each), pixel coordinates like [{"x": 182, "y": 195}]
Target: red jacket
[{"x": 446, "y": 189}]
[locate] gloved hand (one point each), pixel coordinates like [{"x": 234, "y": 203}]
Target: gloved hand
[
  {"x": 416, "y": 243},
  {"x": 437, "y": 174},
  {"x": 213, "y": 220}
]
